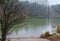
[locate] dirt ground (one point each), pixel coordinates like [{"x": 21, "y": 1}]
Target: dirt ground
[{"x": 27, "y": 39}]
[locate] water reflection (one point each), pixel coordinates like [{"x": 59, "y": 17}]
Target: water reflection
[{"x": 34, "y": 30}]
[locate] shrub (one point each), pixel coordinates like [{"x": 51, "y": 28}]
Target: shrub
[
  {"x": 46, "y": 35},
  {"x": 42, "y": 36},
  {"x": 58, "y": 29}
]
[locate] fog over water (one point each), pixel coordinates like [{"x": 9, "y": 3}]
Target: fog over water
[{"x": 50, "y": 2}]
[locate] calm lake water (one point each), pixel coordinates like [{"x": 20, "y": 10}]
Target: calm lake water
[{"x": 36, "y": 27}]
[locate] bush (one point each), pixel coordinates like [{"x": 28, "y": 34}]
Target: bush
[
  {"x": 46, "y": 35},
  {"x": 42, "y": 36},
  {"x": 55, "y": 37},
  {"x": 58, "y": 29}
]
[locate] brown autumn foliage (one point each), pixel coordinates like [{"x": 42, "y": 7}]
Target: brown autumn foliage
[
  {"x": 58, "y": 29},
  {"x": 51, "y": 36}
]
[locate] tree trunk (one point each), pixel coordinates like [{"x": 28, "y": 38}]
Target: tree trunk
[
  {"x": 3, "y": 37},
  {"x": 3, "y": 34}
]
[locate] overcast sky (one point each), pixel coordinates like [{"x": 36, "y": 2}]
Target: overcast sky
[
  {"x": 54, "y": 2},
  {"x": 50, "y": 1}
]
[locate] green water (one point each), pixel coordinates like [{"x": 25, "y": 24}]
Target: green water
[{"x": 34, "y": 27}]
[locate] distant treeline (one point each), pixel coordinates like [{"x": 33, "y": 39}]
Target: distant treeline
[
  {"x": 39, "y": 10},
  {"x": 34, "y": 9}
]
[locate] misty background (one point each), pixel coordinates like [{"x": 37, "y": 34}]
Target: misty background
[
  {"x": 44, "y": 16},
  {"x": 42, "y": 8}
]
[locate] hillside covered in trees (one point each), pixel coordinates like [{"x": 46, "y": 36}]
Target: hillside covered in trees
[{"x": 40, "y": 10}]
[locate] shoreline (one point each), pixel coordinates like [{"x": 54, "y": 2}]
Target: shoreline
[{"x": 27, "y": 39}]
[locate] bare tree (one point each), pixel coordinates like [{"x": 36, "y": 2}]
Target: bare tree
[{"x": 10, "y": 15}]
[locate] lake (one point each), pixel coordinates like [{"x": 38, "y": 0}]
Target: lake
[{"x": 35, "y": 27}]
